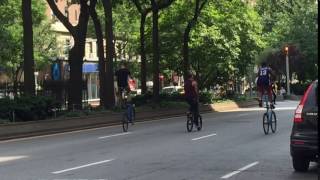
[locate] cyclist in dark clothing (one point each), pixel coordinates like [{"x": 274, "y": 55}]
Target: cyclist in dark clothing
[
  {"x": 123, "y": 75},
  {"x": 192, "y": 96},
  {"x": 264, "y": 83}
]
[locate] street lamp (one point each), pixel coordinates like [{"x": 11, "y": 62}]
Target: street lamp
[{"x": 287, "y": 69}]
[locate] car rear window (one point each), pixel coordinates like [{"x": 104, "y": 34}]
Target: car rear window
[{"x": 312, "y": 99}]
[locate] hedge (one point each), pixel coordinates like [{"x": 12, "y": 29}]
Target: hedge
[{"x": 27, "y": 108}]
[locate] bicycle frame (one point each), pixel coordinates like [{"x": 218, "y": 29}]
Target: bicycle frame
[{"x": 265, "y": 99}]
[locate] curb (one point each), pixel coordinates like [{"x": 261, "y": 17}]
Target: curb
[{"x": 53, "y": 126}]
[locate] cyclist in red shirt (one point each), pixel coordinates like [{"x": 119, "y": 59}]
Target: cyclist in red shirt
[{"x": 192, "y": 96}]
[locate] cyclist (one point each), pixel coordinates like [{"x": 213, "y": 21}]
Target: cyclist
[
  {"x": 192, "y": 96},
  {"x": 264, "y": 83},
  {"x": 123, "y": 75}
]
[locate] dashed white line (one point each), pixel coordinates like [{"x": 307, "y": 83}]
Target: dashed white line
[
  {"x": 114, "y": 135},
  {"x": 202, "y": 137},
  {"x": 239, "y": 170},
  {"x": 83, "y": 166},
  {"x": 11, "y": 158}
]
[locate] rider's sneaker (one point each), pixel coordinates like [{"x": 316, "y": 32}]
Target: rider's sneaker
[{"x": 272, "y": 106}]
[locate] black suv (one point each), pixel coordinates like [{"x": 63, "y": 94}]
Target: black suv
[{"x": 304, "y": 136}]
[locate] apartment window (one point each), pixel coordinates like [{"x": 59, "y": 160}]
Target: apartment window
[
  {"x": 66, "y": 12},
  {"x": 91, "y": 47},
  {"x": 76, "y": 15}
]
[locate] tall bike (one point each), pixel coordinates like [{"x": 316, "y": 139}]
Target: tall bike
[
  {"x": 269, "y": 117},
  {"x": 129, "y": 114},
  {"x": 191, "y": 122}
]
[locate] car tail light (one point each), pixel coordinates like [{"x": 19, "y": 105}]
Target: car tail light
[
  {"x": 298, "y": 113},
  {"x": 297, "y": 142}
]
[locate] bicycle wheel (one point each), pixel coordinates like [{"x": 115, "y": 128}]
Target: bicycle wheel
[
  {"x": 189, "y": 122},
  {"x": 125, "y": 123},
  {"x": 265, "y": 123},
  {"x": 199, "y": 123},
  {"x": 273, "y": 122}
]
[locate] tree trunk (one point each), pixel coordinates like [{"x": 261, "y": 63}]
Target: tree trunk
[
  {"x": 143, "y": 54},
  {"x": 75, "y": 82},
  {"x": 99, "y": 36},
  {"x": 29, "y": 80},
  {"x": 186, "y": 37},
  {"x": 76, "y": 54},
  {"x": 155, "y": 48},
  {"x": 110, "y": 99},
  {"x": 185, "y": 51}
]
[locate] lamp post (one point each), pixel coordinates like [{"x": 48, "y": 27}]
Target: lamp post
[{"x": 287, "y": 69}]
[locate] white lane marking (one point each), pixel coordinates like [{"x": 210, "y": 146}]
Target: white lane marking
[
  {"x": 239, "y": 170},
  {"x": 10, "y": 158},
  {"x": 82, "y": 166},
  {"x": 202, "y": 137},
  {"x": 114, "y": 135}
]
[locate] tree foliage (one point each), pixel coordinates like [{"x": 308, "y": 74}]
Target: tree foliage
[
  {"x": 293, "y": 23},
  {"x": 11, "y": 36}
]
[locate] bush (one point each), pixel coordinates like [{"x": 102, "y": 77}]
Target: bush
[
  {"x": 142, "y": 99},
  {"x": 6, "y": 108},
  {"x": 206, "y": 97},
  {"x": 27, "y": 108},
  {"x": 299, "y": 88}
]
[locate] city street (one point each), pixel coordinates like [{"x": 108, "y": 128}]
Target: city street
[{"x": 231, "y": 145}]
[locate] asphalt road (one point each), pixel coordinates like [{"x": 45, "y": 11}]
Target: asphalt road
[{"x": 231, "y": 145}]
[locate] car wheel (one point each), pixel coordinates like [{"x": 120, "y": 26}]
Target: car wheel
[{"x": 300, "y": 164}]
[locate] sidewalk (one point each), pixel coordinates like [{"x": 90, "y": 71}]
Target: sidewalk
[{"x": 44, "y": 127}]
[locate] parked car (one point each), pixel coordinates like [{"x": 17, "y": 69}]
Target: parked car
[
  {"x": 136, "y": 92},
  {"x": 173, "y": 89},
  {"x": 304, "y": 135}
]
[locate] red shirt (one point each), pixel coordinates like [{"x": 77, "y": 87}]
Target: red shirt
[{"x": 190, "y": 91}]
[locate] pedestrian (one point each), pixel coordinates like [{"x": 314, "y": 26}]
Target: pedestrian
[{"x": 282, "y": 91}]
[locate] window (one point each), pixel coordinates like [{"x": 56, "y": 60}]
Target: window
[
  {"x": 76, "y": 15},
  {"x": 66, "y": 12},
  {"x": 91, "y": 47}
]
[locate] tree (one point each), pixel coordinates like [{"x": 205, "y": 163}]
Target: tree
[
  {"x": 110, "y": 99},
  {"x": 76, "y": 53},
  {"x": 11, "y": 38},
  {"x": 144, "y": 11},
  {"x": 225, "y": 37},
  {"x": 29, "y": 83},
  {"x": 155, "y": 42},
  {"x": 99, "y": 36},
  {"x": 186, "y": 36},
  {"x": 294, "y": 24}
]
